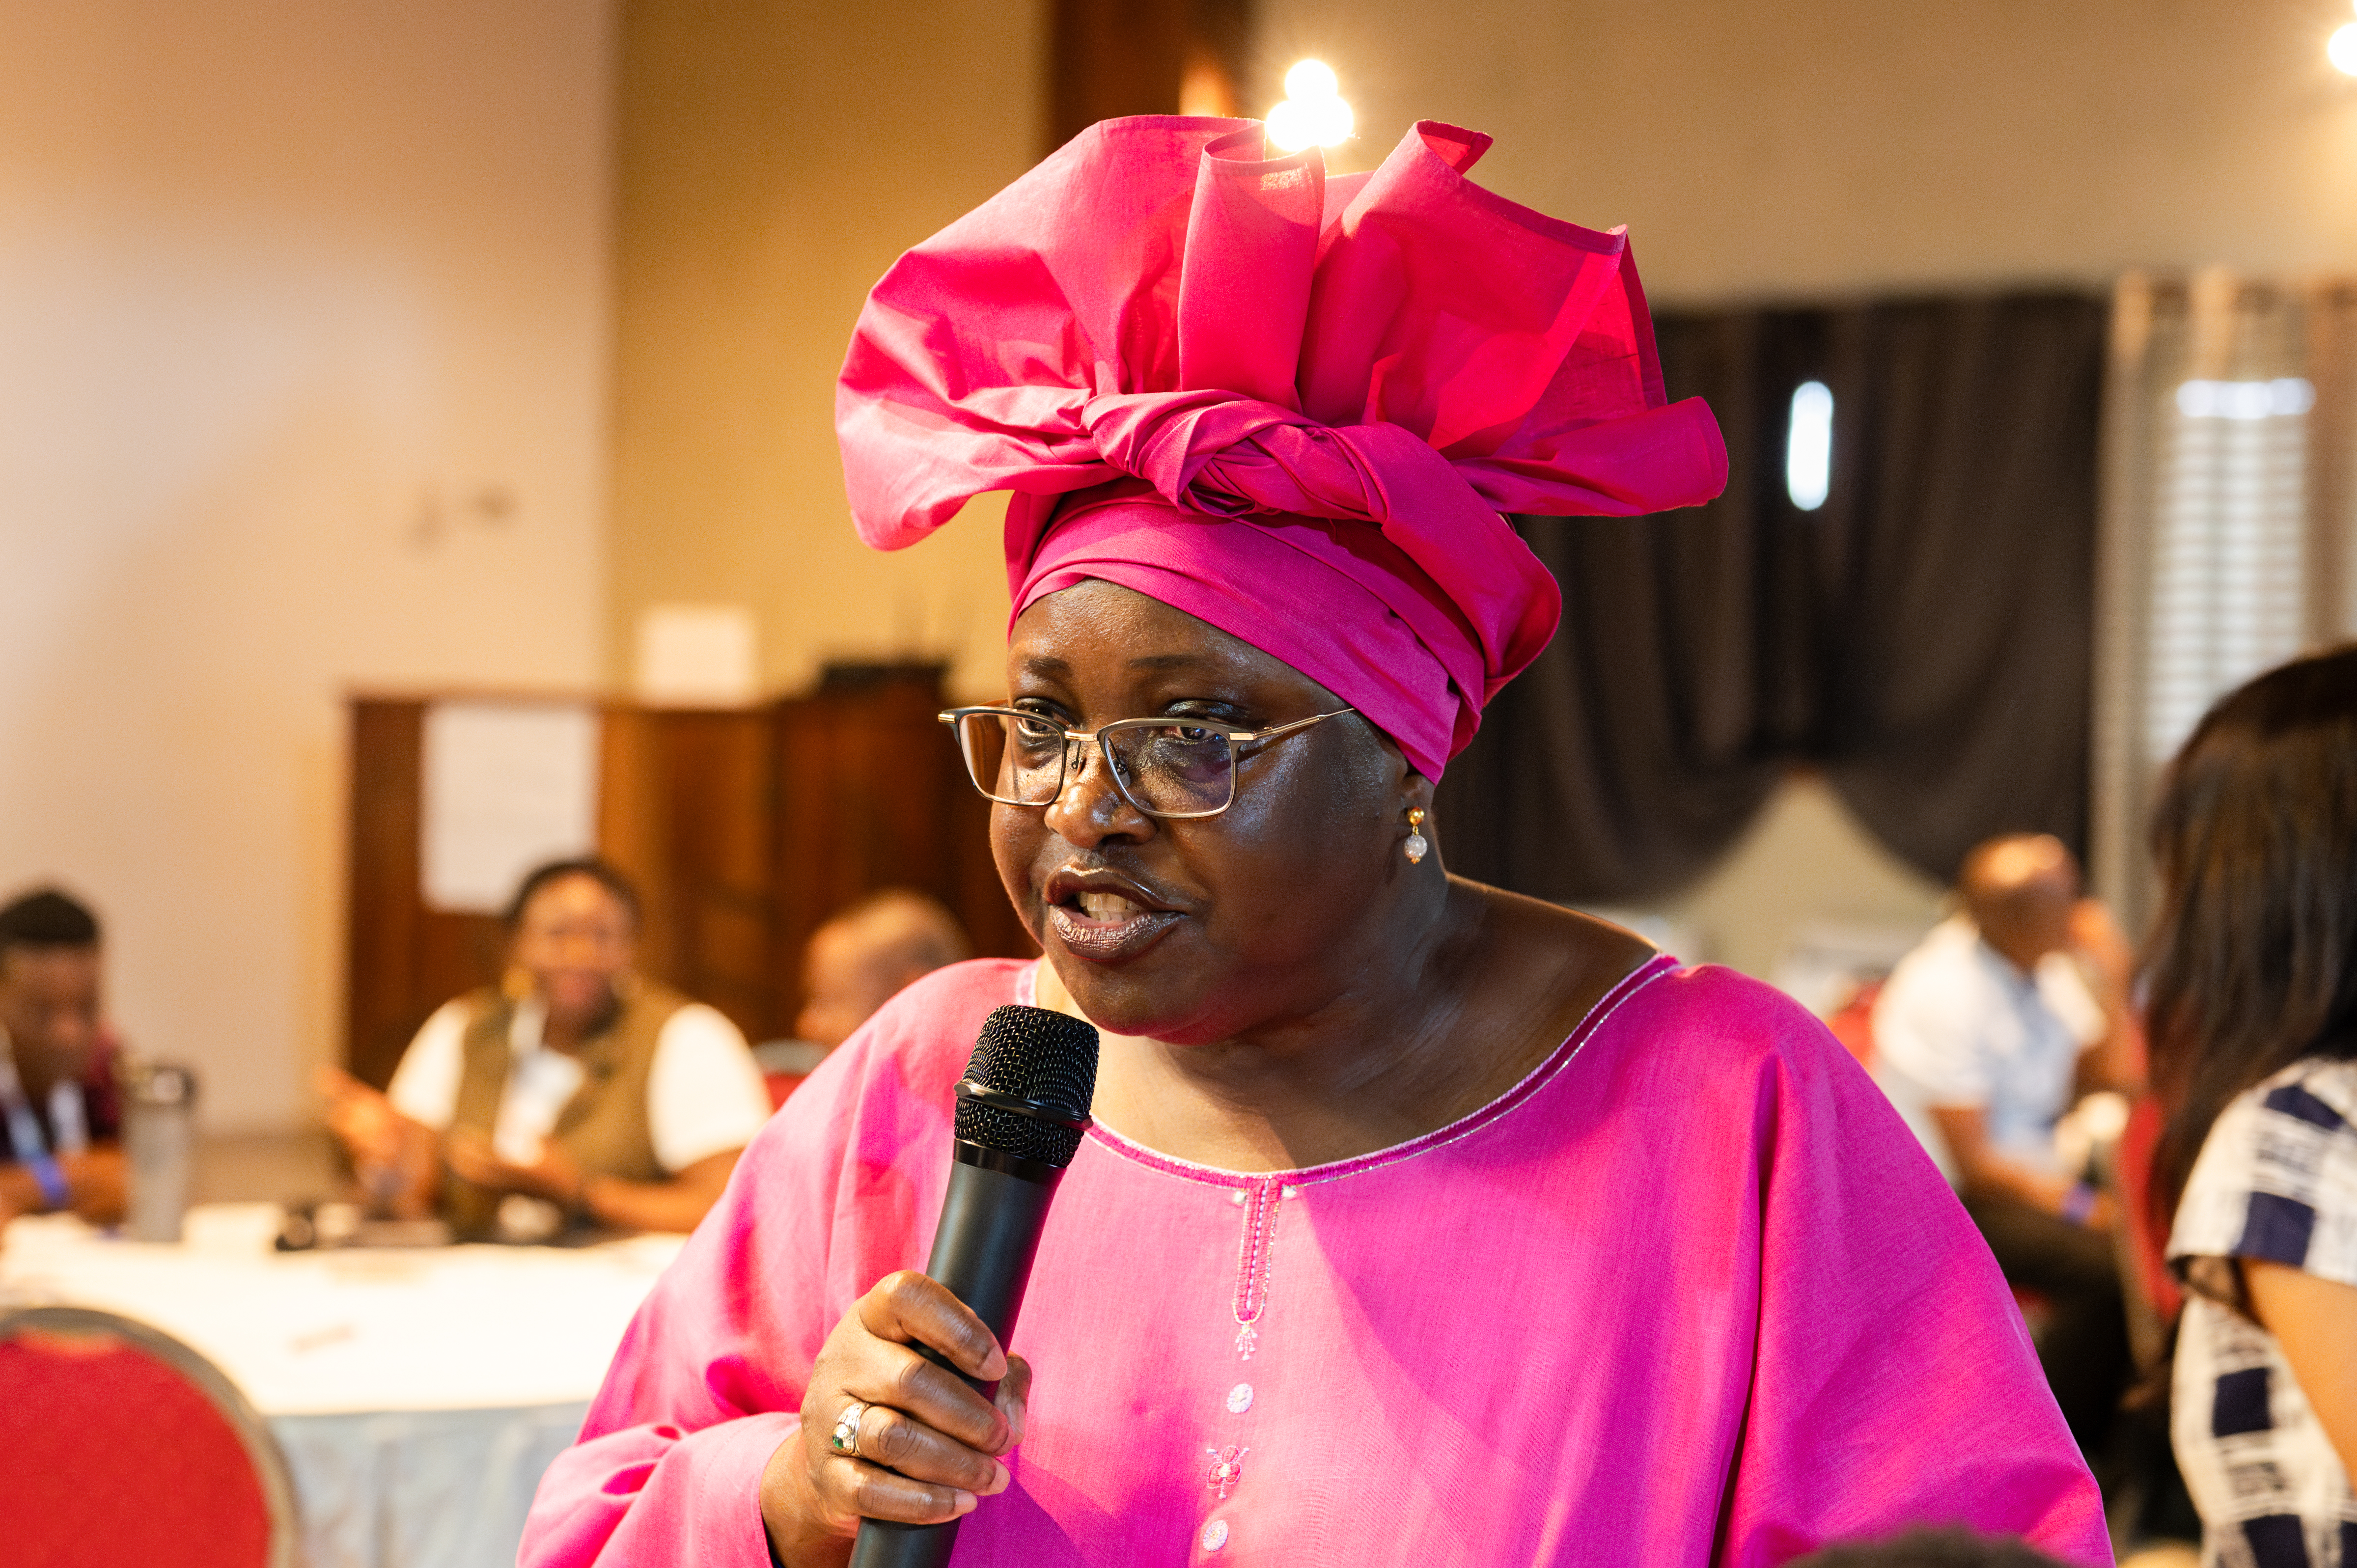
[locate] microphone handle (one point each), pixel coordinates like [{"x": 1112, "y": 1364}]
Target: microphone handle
[{"x": 989, "y": 1232}]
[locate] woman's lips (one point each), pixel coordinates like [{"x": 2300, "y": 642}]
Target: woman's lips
[{"x": 1106, "y": 927}]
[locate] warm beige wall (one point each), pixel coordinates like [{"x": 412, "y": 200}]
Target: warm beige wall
[
  {"x": 280, "y": 284},
  {"x": 1863, "y": 144},
  {"x": 775, "y": 156}
]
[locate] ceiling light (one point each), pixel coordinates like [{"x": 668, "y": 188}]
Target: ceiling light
[
  {"x": 1314, "y": 113},
  {"x": 1311, "y": 79},
  {"x": 2342, "y": 49}
]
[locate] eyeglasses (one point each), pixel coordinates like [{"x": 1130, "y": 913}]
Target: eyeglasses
[{"x": 1164, "y": 768}]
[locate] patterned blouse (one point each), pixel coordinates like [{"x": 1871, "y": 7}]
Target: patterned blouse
[{"x": 2277, "y": 1179}]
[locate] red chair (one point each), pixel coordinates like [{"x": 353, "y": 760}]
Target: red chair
[
  {"x": 784, "y": 1063},
  {"x": 2153, "y": 1298},
  {"x": 126, "y": 1446},
  {"x": 1852, "y": 1023}
]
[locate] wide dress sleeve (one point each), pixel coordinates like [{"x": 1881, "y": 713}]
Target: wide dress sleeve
[
  {"x": 1893, "y": 1383},
  {"x": 709, "y": 1379}
]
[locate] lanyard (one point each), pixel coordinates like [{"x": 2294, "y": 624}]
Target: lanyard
[{"x": 24, "y": 1127}]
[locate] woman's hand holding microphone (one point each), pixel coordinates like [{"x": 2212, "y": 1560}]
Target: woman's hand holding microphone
[{"x": 927, "y": 1444}]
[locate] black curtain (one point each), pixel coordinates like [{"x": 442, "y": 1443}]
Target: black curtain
[{"x": 1925, "y": 637}]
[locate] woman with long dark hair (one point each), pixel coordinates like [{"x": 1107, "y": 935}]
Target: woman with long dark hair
[{"x": 2253, "y": 1020}]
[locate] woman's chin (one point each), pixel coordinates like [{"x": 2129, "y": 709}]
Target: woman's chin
[
  {"x": 1121, "y": 999},
  {"x": 1132, "y": 1002}
]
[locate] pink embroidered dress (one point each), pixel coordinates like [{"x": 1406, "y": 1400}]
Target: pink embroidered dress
[{"x": 1688, "y": 1294}]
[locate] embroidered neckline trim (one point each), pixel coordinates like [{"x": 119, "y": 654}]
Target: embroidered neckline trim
[{"x": 1627, "y": 986}]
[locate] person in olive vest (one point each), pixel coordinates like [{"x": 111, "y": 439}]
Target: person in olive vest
[{"x": 573, "y": 1082}]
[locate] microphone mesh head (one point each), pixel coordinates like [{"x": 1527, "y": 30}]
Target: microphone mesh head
[{"x": 1045, "y": 1058}]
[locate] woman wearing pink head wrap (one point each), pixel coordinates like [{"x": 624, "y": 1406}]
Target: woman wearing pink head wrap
[{"x": 1420, "y": 1222}]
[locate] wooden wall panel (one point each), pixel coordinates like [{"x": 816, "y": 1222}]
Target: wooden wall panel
[
  {"x": 1110, "y": 57},
  {"x": 403, "y": 960},
  {"x": 864, "y": 803},
  {"x": 719, "y": 794},
  {"x": 632, "y": 825},
  {"x": 387, "y": 741}
]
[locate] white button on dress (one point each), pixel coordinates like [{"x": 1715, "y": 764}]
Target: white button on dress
[
  {"x": 1215, "y": 1535},
  {"x": 1240, "y": 1398}
]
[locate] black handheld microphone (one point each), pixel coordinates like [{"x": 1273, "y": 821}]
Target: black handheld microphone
[{"x": 1021, "y": 1109}]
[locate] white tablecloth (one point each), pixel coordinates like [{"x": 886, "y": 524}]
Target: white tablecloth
[{"x": 418, "y": 1395}]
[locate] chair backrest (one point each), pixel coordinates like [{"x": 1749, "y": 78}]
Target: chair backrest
[
  {"x": 784, "y": 1063},
  {"x": 125, "y": 1446},
  {"x": 1852, "y": 1023},
  {"x": 2153, "y": 1298}
]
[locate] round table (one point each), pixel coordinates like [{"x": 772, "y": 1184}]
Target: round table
[{"x": 417, "y": 1395}]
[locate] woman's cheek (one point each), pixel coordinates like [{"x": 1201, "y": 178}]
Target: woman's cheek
[{"x": 1015, "y": 849}]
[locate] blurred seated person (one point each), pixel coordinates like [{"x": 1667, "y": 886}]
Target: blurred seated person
[
  {"x": 60, "y": 1122},
  {"x": 1984, "y": 1036},
  {"x": 866, "y": 954},
  {"x": 573, "y": 1081},
  {"x": 860, "y": 959}
]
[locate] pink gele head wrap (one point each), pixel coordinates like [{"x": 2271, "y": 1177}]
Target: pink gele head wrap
[{"x": 1299, "y": 403}]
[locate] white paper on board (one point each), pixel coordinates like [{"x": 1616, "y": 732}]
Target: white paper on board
[
  {"x": 508, "y": 786},
  {"x": 697, "y": 656}
]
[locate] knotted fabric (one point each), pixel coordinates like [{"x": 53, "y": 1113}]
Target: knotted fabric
[{"x": 1290, "y": 404}]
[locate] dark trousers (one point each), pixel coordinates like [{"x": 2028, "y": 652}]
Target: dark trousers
[{"x": 2084, "y": 1348}]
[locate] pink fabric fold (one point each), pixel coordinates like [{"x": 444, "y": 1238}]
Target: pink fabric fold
[{"x": 1226, "y": 346}]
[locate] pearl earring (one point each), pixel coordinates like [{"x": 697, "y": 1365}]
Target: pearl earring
[{"x": 1417, "y": 845}]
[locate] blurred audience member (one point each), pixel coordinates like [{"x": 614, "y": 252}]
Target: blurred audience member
[
  {"x": 1930, "y": 1548},
  {"x": 1983, "y": 1036},
  {"x": 573, "y": 1081},
  {"x": 863, "y": 956},
  {"x": 2253, "y": 1010},
  {"x": 59, "y": 1117}
]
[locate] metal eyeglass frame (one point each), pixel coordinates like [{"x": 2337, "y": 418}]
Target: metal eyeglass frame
[{"x": 1076, "y": 742}]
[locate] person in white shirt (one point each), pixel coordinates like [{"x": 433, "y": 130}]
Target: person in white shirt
[
  {"x": 1984, "y": 1036},
  {"x": 573, "y": 1083}
]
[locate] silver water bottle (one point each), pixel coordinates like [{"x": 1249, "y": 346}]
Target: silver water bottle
[{"x": 159, "y": 1145}]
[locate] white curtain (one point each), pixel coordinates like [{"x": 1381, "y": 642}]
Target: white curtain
[{"x": 2228, "y": 523}]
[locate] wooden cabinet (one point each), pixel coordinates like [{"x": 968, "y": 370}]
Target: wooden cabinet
[{"x": 743, "y": 829}]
